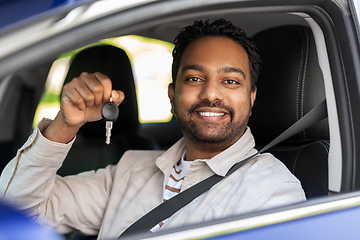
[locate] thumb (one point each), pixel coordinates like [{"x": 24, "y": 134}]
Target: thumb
[{"x": 117, "y": 96}]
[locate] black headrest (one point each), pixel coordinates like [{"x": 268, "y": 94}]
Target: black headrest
[
  {"x": 114, "y": 63},
  {"x": 290, "y": 83}
]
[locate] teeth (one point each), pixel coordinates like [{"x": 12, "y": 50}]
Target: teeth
[{"x": 211, "y": 114}]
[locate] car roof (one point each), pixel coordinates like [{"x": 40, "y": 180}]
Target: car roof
[
  {"x": 27, "y": 10},
  {"x": 17, "y": 13}
]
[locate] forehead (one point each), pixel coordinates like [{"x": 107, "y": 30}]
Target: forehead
[{"x": 215, "y": 52}]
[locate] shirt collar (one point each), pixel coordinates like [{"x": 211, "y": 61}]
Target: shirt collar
[
  {"x": 167, "y": 160},
  {"x": 219, "y": 164}
]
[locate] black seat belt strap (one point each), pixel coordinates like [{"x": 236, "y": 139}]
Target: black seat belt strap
[
  {"x": 315, "y": 115},
  {"x": 174, "y": 204}
]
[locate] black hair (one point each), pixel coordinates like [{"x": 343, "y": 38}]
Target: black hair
[{"x": 220, "y": 27}]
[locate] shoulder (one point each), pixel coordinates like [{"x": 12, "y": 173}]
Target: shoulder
[
  {"x": 271, "y": 183},
  {"x": 142, "y": 153},
  {"x": 267, "y": 173},
  {"x": 140, "y": 157},
  {"x": 272, "y": 167},
  {"x": 138, "y": 162}
]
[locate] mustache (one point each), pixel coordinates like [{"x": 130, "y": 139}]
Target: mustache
[{"x": 215, "y": 104}]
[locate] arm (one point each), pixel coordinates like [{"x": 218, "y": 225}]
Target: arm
[
  {"x": 30, "y": 180},
  {"x": 81, "y": 102}
]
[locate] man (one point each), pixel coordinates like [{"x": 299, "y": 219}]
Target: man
[{"x": 214, "y": 87}]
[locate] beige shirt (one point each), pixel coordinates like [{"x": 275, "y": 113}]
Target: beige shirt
[{"x": 109, "y": 200}]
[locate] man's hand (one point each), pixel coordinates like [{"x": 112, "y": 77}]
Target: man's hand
[{"x": 81, "y": 102}]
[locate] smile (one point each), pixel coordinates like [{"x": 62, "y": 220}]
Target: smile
[{"x": 211, "y": 114}]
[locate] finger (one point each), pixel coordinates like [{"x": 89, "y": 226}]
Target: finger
[
  {"x": 88, "y": 87},
  {"x": 94, "y": 85},
  {"x": 70, "y": 94},
  {"x": 117, "y": 96},
  {"x": 107, "y": 85}
]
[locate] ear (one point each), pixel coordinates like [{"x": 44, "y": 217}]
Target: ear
[
  {"x": 253, "y": 96},
  {"x": 171, "y": 92}
]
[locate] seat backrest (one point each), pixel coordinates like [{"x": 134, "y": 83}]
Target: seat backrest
[
  {"x": 89, "y": 150},
  {"x": 290, "y": 84}
]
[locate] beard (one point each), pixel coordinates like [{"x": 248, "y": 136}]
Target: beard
[{"x": 212, "y": 135}]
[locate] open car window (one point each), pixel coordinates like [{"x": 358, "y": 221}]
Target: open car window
[
  {"x": 297, "y": 76},
  {"x": 151, "y": 63}
]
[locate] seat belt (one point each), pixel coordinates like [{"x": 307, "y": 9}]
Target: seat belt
[{"x": 174, "y": 204}]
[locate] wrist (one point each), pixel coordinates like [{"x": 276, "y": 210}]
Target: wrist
[{"x": 59, "y": 131}]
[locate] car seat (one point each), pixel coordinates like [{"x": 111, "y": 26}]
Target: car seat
[
  {"x": 22, "y": 91},
  {"x": 290, "y": 84},
  {"x": 90, "y": 151}
]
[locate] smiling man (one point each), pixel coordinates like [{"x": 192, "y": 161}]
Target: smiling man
[
  {"x": 214, "y": 71},
  {"x": 212, "y": 96}
]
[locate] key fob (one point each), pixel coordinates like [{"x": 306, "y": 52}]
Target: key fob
[{"x": 110, "y": 112}]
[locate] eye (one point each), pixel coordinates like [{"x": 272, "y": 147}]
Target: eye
[
  {"x": 231, "y": 81},
  {"x": 194, "y": 79}
]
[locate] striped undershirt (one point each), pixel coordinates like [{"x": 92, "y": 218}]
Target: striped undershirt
[{"x": 174, "y": 183}]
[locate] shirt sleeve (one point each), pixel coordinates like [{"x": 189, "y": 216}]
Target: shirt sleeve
[{"x": 29, "y": 182}]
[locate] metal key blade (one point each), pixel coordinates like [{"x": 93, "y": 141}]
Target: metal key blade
[
  {"x": 108, "y": 127},
  {"x": 109, "y": 113}
]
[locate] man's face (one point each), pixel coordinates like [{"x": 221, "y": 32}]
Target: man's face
[{"x": 212, "y": 98}]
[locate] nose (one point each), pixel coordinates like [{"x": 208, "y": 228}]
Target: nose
[{"x": 211, "y": 91}]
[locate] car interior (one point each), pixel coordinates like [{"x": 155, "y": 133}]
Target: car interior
[
  {"x": 295, "y": 77},
  {"x": 114, "y": 63},
  {"x": 284, "y": 95},
  {"x": 295, "y": 90}
]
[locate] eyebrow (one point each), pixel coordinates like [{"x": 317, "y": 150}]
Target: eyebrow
[
  {"x": 232, "y": 69},
  {"x": 195, "y": 67},
  {"x": 200, "y": 68}
]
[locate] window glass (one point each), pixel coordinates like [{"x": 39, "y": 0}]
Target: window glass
[
  {"x": 357, "y": 7},
  {"x": 50, "y": 102},
  {"x": 151, "y": 62},
  {"x": 357, "y": 13}
]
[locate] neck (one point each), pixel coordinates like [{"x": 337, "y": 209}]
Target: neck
[{"x": 203, "y": 151}]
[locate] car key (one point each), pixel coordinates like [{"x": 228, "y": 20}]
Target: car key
[{"x": 110, "y": 113}]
